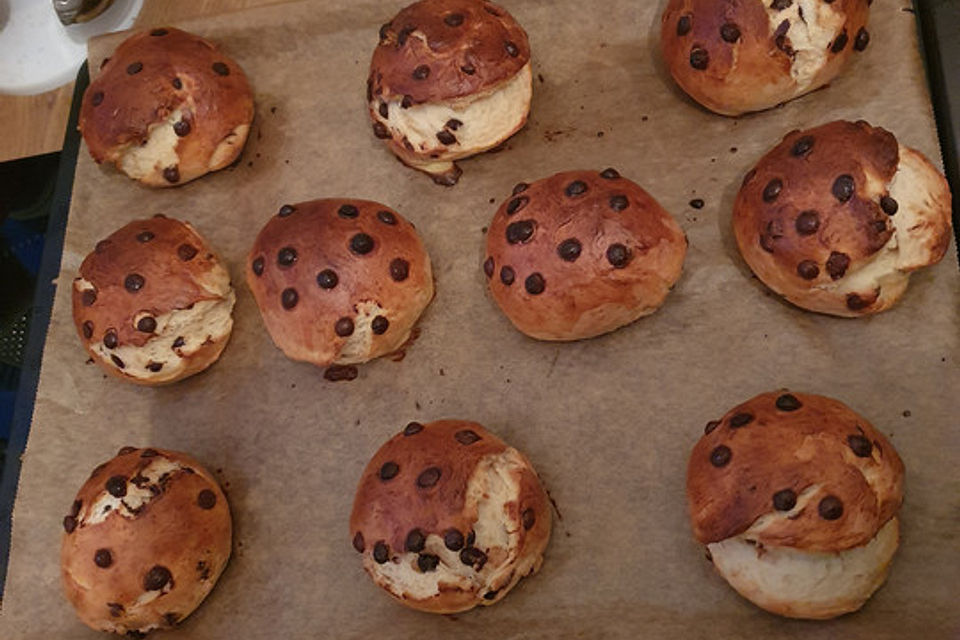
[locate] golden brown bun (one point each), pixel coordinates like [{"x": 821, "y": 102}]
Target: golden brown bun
[
  {"x": 843, "y": 479},
  {"x": 145, "y": 541},
  {"x": 152, "y": 302},
  {"x": 581, "y": 253},
  {"x": 835, "y": 218},
  {"x": 735, "y": 57},
  {"x": 447, "y": 517},
  {"x": 167, "y": 107},
  {"x": 339, "y": 281}
]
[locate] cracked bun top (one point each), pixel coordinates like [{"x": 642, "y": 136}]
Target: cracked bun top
[
  {"x": 836, "y": 217},
  {"x": 145, "y": 540},
  {"x": 176, "y": 95},
  {"x": 793, "y": 470},
  {"x": 152, "y": 303},
  {"x": 581, "y": 253},
  {"x": 439, "y": 50},
  {"x": 746, "y": 55},
  {"x": 447, "y": 516},
  {"x": 339, "y": 281}
]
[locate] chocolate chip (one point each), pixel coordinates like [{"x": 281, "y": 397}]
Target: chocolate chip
[
  {"x": 618, "y": 255},
  {"x": 343, "y": 327},
  {"x": 154, "y": 367},
  {"x": 399, "y": 269},
  {"x": 133, "y": 282},
  {"x": 713, "y": 424},
  {"x": 808, "y": 270},
  {"x": 69, "y": 524},
  {"x": 683, "y": 25},
  {"x": 802, "y": 146},
  {"x": 857, "y": 303},
  {"x": 860, "y": 446},
  {"x": 116, "y": 609},
  {"x": 145, "y": 236},
  {"x": 471, "y": 538},
  {"x": 412, "y": 428},
  {"x": 619, "y": 202},
  {"x": 380, "y": 130},
  {"x": 134, "y": 68},
  {"x": 471, "y": 556},
  {"x": 416, "y": 541},
  {"x": 348, "y": 211},
  {"x": 388, "y": 471},
  {"x": 535, "y": 284},
  {"x": 126, "y": 450},
  {"x": 699, "y": 59},
  {"x": 840, "y": 43},
  {"x": 181, "y": 128},
  {"x": 206, "y": 499},
  {"x": 466, "y": 437},
  {"x": 117, "y": 486},
  {"x": 862, "y": 40},
  {"x": 186, "y": 252},
  {"x": 889, "y": 205},
  {"x": 221, "y": 69},
  {"x": 386, "y": 217},
  {"x": 428, "y": 477},
  {"x": 528, "y": 518},
  {"x": 453, "y": 540},
  {"x": 521, "y": 231},
  {"x": 171, "y": 619},
  {"x": 158, "y": 32},
  {"x": 837, "y": 265},
  {"x": 157, "y": 578},
  {"x": 257, "y": 266},
  {"x": 784, "y": 500},
  {"x": 830, "y": 508},
  {"x": 428, "y": 562},
  {"x": 381, "y": 553},
  {"x": 807, "y": 222},
  {"x": 788, "y": 402},
  {"x": 407, "y": 102},
  {"x": 453, "y": 19},
  {"x": 780, "y": 5},
  {"x": 453, "y": 124},
  {"x": 569, "y": 250},
  {"x": 511, "y": 48},
  {"x": 772, "y": 190},
  {"x": 730, "y": 32},
  {"x": 110, "y": 340},
  {"x": 327, "y": 279},
  {"x": 696, "y": 203},
  {"x": 286, "y": 256},
  {"x": 488, "y": 267},
  {"x": 519, "y": 188},
  {"x": 740, "y": 420},
  {"x": 517, "y": 204},
  {"x": 720, "y": 456},
  {"x": 468, "y": 69},
  {"x": 179, "y": 342},
  {"x": 610, "y": 174},
  {"x": 358, "y": 542},
  {"x": 97, "y": 98},
  {"x": 149, "y": 453},
  {"x": 171, "y": 175},
  {"x": 507, "y": 276},
  {"x": 103, "y": 558},
  {"x": 87, "y": 329},
  {"x": 147, "y": 324},
  {"x": 289, "y": 298},
  {"x": 177, "y": 84},
  {"x": 445, "y": 137},
  {"x": 421, "y": 73},
  {"x": 380, "y": 325},
  {"x": 384, "y": 110},
  {"x": 361, "y": 244},
  {"x": 843, "y": 187},
  {"x": 88, "y": 297},
  {"x": 576, "y": 188}
]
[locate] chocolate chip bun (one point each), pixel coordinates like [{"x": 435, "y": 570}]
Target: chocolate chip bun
[
  {"x": 581, "y": 253},
  {"x": 145, "y": 541},
  {"x": 796, "y": 498},
  {"x": 167, "y": 107},
  {"x": 339, "y": 281},
  {"x": 835, "y": 218},
  {"x": 447, "y": 516},
  {"x": 153, "y": 303},
  {"x": 735, "y": 57},
  {"x": 449, "y": 79}
]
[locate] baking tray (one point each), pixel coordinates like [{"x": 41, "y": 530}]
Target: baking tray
[{"x": 608, "y": 422}]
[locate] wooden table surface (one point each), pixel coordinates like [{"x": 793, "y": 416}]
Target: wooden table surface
[{"x": 36, "y": 124}]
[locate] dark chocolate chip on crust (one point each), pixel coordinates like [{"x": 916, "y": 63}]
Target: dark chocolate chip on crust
[
  {"x": 386, "y": 217},
  {"x": 176, "y": 84},
  {"x": 569, "y": 250},
  {"x": 453, "y": 19},
  {"x": 861, "y": 446},
  {"x": 830, "y": 508},
  {"x": 446, "y": 138},
  {"x": 380, "y": 130},
  {"x": 473, "y": 557},
  {"x": 808, "y": 270},
  {"x": 117, "y": 486},
  {"x": 862, "y": 40},
  {"x": 466, "y": 437},
  {"x": 358, "y": 543},
  {"x": 171, "y": 175},
  {"x": 576, "y": 188},
  {"x": 103, "y": 558},
  {"x": 289, "y": 298},
  {"x": 521, "y": 231},
  {"x": 154, "y": 367},
  {"x": 528, "y": 518},
  {"x": 507, "y": 276},
  {"x": 780, "y": 5},
  {"x": 97, "y": 98},
  {"x": 186, "y": 252},
  {"x": 181, "y": 128},
  {"x": 730, "y": 32},
  {"x": 468, "y": 69},
  {"x": 535, "y": 284},
  {"x": 428, "y": 477},
  {"x": 206, "y": 499},
  {"x": 720, "y": 456},
  {"x": 488, "y": 267},
  {"x": 379, "y": 325},
  {"x": 772, "y": 191},
  {"x": 619, "y": 202},
  {"x": 837, "y": 265},
  {"x": 156, "y": 578},
  {"x": 511, "y": 48},
  {"x": 88, "y": 297},
  {"x": 889, "y": 205},
  {"x": 618, "y": 256},
  {"x": 840, "y": 43},
  {"x": 610, "y": 174},
  {"x": 683, "y": 25},
  {"x": 361, "y": 244},
  {"x": 843, "y": 187},
  {"x": 133, "y": 282},
  {"x": 427, "y": 562},
  {"x": 453, "y": 540},
  {"x": 384, "y": 110},
  {"x": 348, "y": 211},
  {"x": 399, "y": 269},
  {"x": 422, "y": 72},
  {"x": 710, "y": 427},
  {"x": 343, "y": 327},
  {"x": 126, "y": 450},
  {"x": 856, "y": 302},
  {"x": 134, "y": 68},
  {"x": 327, "y": 279},
  {"x": 412, "y": 428},
  {"x": 699, "y": 58},
  {"x": 257, "y": 266},
  {"x": 69, "y": 524},
  {"x": 784, "y": 500},
  {"x": 802, "y": 146},
  {"x": 519, "y": 188},
  {"x": 149, "y": 453},
  {"x": 145, "y": 236},
  {"x": 741, "y": 419},
  {"x": 381, "y": 552},
  {"x": 87, "y": 329},
  {"x": 221, "y": 69},
  {"x": 110, "y": 340},
  {"x": 788, "y": 402},
  {"x": 807, "y": 222},
  {"x": 388, "y": 471},
  {"x": 416, "y": 541},
  {"x": 516, "y": 204}
]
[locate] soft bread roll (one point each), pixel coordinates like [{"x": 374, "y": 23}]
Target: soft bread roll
[
  {"x": 581, "y": 253},
  {"x": 152, "y": 303},
  {"x": 447, "y": 516},
  {"x": 167, "y": 107},
  {"x": 836, "y": 218},
  {"x": 796, "y": 498},
  {"x": 735, "y": 57},
  {"x": 449, "y": 79},
  {"x": 339, "y": 281},
  {"x": 145, "y": 541}
]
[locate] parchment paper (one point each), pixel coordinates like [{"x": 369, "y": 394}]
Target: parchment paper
[{"x": 608, "y": 422}]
